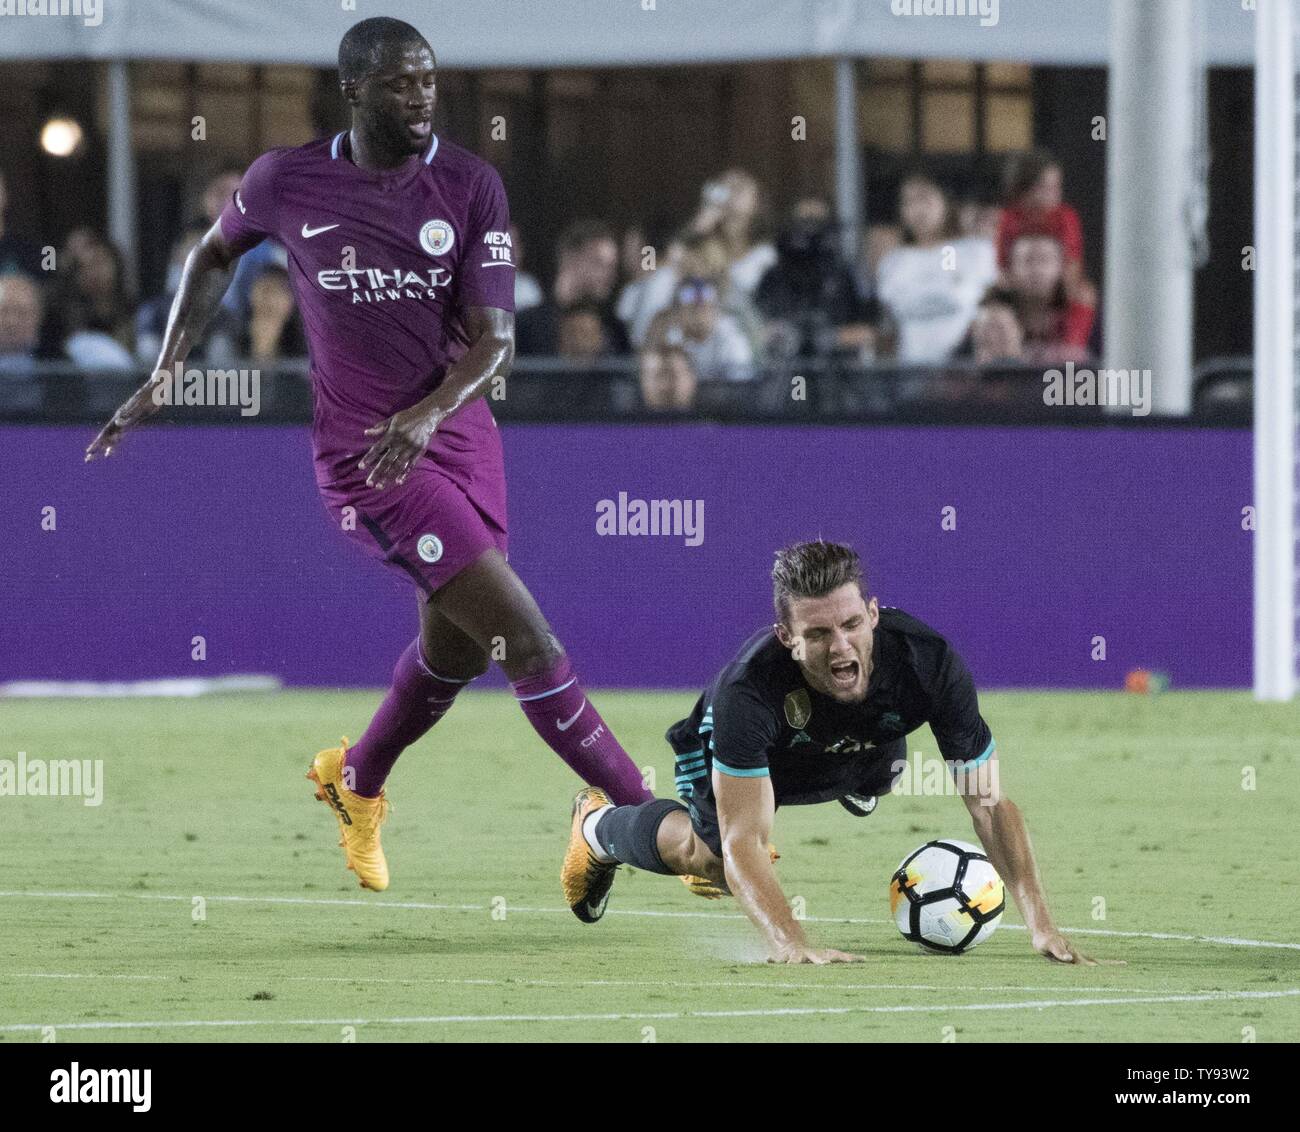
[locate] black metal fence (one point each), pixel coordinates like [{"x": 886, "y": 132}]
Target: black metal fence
[{"x": 552, "y": 389}]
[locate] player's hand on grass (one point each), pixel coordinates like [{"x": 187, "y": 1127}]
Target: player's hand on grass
[
  {"x": 402, "y": 440},
  {"x": 819, "y": 956},
  {"x": 1060, "y": 950}
]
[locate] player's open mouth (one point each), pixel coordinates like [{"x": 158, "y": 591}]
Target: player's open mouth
[
  {"x": 845, "y": 675},
  {"x": 419, "y": 127}
]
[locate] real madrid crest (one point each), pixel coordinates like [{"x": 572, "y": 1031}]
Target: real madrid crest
[
  {"x": 798, "y": 708},
  {"x": 437, "y": 237}
]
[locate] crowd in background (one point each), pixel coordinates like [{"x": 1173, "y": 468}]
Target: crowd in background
[{"x": 734, "y": 291}]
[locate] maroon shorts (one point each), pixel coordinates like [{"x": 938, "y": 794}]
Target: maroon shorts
[{"x": 450, "y": 510}]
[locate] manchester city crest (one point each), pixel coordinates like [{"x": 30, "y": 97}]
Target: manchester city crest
[
  {"x": 429, "y": 548},
  {"x": 798, "y": 709},
  {"x": 437, "y": 237}
]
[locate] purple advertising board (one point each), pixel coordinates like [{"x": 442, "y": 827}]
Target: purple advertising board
[{"x": 1023, "y": 545}]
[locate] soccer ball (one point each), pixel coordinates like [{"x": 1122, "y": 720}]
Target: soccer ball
[{"x": 946, "y": 896}]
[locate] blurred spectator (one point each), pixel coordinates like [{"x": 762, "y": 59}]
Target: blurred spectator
[
  {"x": 706, "y": 258},
  {"x": 528, "y": 291},
  {"x": 16, "y": 254},
  {"x": 631, "y": 255},
  {"x": 274, "y": 328},
  {"x": 694, "y": 340},
  {"x": 581, "y": 334},
  {"x": 20, "y": 328},
  {"x": 1057, "y": 316},
  {"x": 991, "y": 366},
  {"x": 975, "y": 218},
  {"x": 997, "y": 338},
  {"x": 587, "y": 274},
  {"x": 220, "y": 344},
  {"x": 878, "y": 240},
  {"x": 90, "y": 310},
  {"x": 729, "y": 211},
  {"x": 648, "y": 294},
  {"x": 809, "y": 294},
  {"x": 932, "y": 285},
  {"x": 251, "y": 264},
  {"x": 588, "y": 264},
  {"x": 1035, "y": 208}
]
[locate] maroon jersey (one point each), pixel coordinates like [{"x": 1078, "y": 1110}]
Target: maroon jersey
[{"x": 383, "y": 266}]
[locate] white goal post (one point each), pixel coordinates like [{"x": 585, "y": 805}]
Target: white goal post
[{"x": 1277, "y": 343}]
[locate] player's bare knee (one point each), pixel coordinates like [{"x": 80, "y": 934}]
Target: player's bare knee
[
  {"x": 461, "y": 666},
  {"x": 529, "y": 651}
]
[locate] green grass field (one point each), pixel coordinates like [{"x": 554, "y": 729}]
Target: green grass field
[{"x": 1137, "y": 801}]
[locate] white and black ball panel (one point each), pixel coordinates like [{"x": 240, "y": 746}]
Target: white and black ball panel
[{"x": 946, "y": 896}]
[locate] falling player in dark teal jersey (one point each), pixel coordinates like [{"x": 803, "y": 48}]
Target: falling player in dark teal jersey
[{"x": 813, "y": 709}]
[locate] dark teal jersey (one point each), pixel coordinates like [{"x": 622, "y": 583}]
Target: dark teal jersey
[{"x": 760, "y": 717}]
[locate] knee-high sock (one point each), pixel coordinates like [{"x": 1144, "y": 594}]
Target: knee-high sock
[
  {"x": 561, "y": 714},
  {"x": 415, "y": 702},
  {"x": 630, "y": 834}
]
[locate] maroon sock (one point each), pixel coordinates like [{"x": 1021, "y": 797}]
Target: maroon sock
[
  {"x": 561, "y": 714},
  {"x": 415, "y": 702}
]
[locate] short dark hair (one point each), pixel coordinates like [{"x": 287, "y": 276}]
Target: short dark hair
[
  {"x": 812, "y": 569},
  {"x": 365, "y": 44},
  {"x": 580, "y": 233}
]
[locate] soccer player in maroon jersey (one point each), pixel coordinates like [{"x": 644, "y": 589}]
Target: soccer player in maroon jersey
[{"x": 400, "y": 260}]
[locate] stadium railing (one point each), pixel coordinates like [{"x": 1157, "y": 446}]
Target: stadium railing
[{"x": 556, "y": 389}]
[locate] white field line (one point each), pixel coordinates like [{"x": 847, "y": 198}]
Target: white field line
[
  {"x": 1227, "y": 941},
  {"x": 657, "y": 1016},
  {"x": 569, "y": 984},
  {"x": 62, "y": 975}
]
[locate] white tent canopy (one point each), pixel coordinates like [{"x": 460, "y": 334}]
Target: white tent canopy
[{"x": 551, "y": 33}]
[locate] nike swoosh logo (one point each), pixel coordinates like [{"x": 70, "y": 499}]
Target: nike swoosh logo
[
  {"x": 566, "y": 724},
  {"x": 308, "y": 233}
]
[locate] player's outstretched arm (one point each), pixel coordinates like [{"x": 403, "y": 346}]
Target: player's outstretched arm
[
  {"x": 1002, "y": 832},
  {"x": 204, "y": 282},
  {"x": 745, "y": 810},
  {"x": 403, "y": 436}
]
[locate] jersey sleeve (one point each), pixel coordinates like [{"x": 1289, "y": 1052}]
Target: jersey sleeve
[
  {"x": 745, "y": 731},
  {"x": 487, "y": 270},
  {"x": 955, "y": 719},
  {"x": 251, "y": 214}
]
